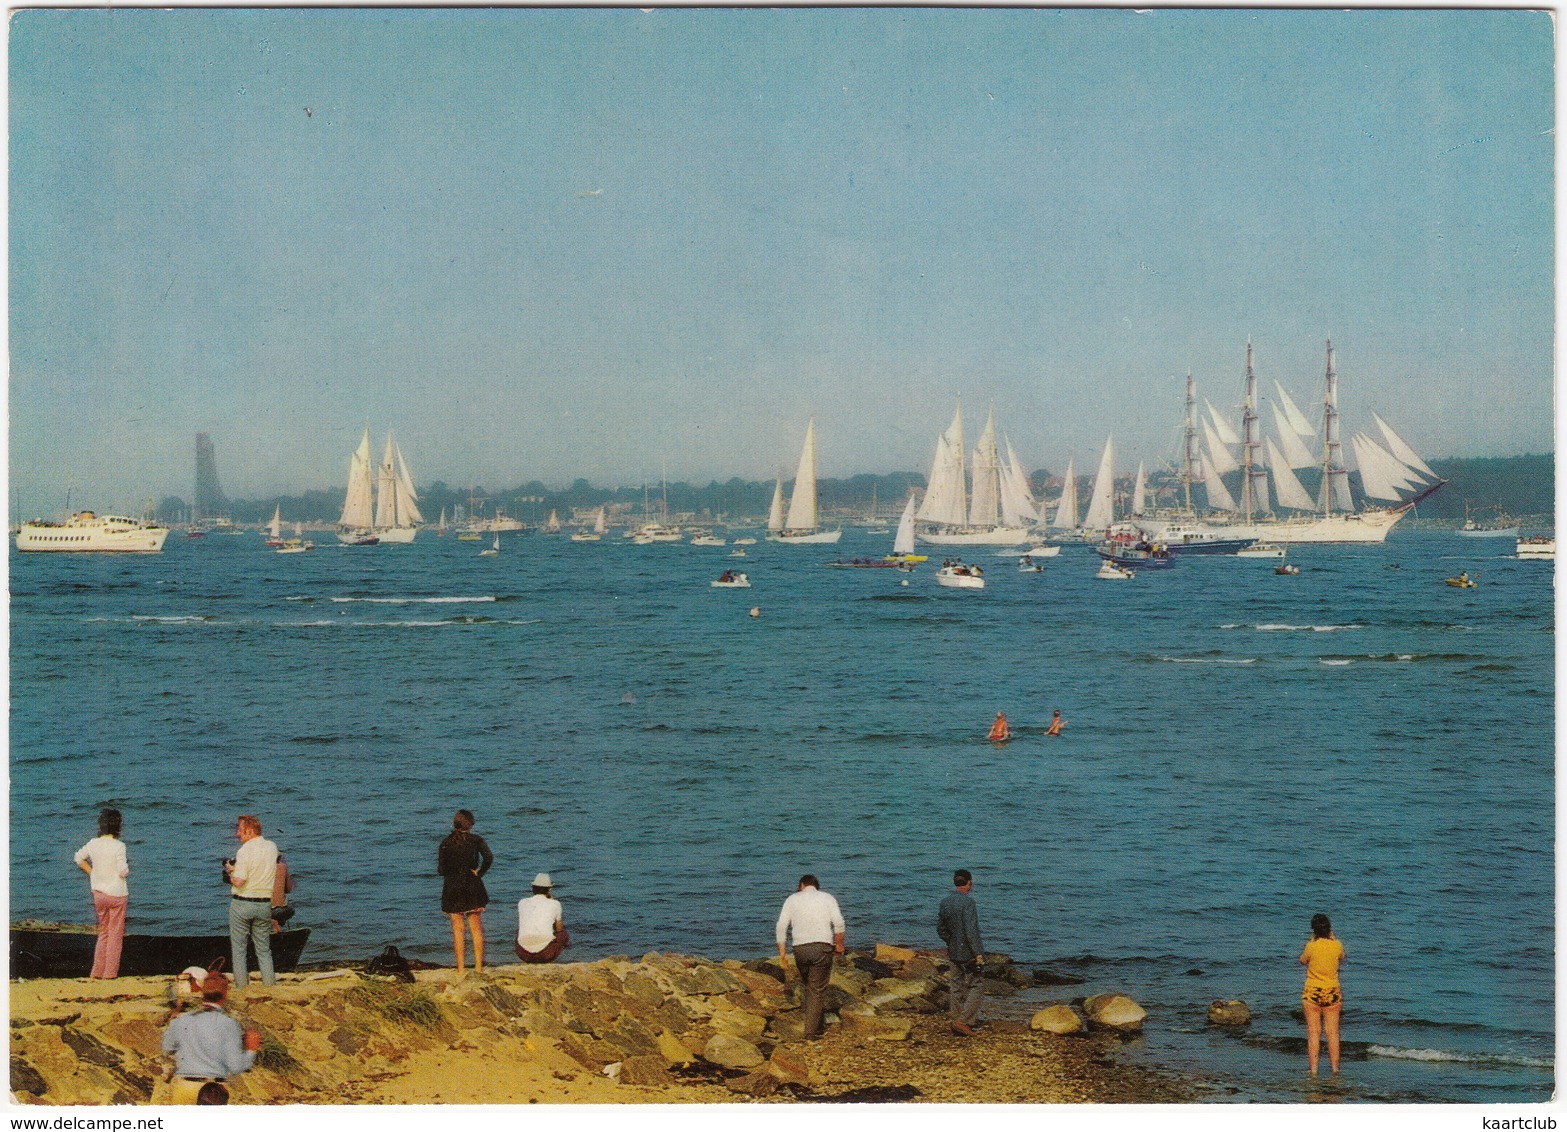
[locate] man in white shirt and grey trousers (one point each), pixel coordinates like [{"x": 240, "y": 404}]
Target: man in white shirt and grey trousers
[{"x": 818, "y": 936}]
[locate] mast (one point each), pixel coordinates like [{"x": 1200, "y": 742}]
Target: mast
[
  {"x": 1335, "y": 477},
  {"x": 1189, "y": 455},
  {"x": 1251, "y": 463}
]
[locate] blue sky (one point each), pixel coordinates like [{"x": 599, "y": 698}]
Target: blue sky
[{"x": 549, "y": 244}]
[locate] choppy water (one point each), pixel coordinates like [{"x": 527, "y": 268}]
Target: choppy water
[{"x": 1242, "y": 750}]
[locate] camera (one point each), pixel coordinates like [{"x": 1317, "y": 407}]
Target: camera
[{"x": 228, "y": 863}]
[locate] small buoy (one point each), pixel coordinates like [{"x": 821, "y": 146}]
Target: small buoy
[
  {"x": 904, "y": 582},
  {"x": 756, "y": 611}
]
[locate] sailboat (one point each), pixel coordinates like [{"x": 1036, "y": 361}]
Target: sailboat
[
  {"x": 997, "y": 512},
  {"x": 1390, "y": 472},
  {"x": 552, "y": 524},
  {"x": 903, "y": 541},
  {"x": 353, "y": 526},
  {"x": 495, "y": 548},
  {"x": 440, "y": 525},
  {"x": 275, "y": 528},
  {"x": 397, "y": 516},
  {"x": 802, "y": 525},
  {"x": 1100, "y": 515},
  {"x": 593, "y": 534}
]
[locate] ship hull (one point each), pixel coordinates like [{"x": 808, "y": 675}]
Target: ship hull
[
  {"x": 107, "y": 535},
  {"x": 995, "y": 536}
]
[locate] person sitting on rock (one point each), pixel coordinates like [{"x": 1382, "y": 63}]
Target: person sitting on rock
[{"x": 541, "y": 928}]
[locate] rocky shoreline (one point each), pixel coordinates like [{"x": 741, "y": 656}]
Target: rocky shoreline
[{"x": 666, "y": 1029}]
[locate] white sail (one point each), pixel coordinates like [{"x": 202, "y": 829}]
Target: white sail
[
  {"x": 1298, "y": 423},
  {"x": 599, "y": 526},
  {"x": 275, "y": 527},
  {"x": 552, "y": 524},
  {"x": 1219, "y": 497},
  {"x": 1017, "y": 503},
  {"x": 903, "y": 541},
  {"x": 386, "y": 489},
  {"x": 408, "y": 513},
  {"x": 1219, "y": 457},
  {"x": 1382, "y": 475},
  {"x": 985, "y": 506},
  {"x": 1140, "y": 491},
  {"x": 1403, "y": 451},
  {"x": 1101, "y": 500},
  {"x": 944, "y": 502},
  {"x": 1290, "y": 445},
  {"x": 802, "y": 503},
  {"x": 1066, "y": 509},
  {"x": 1220, "y": 425},
  {"x": 775, "y": 513},
  {"x": 357, "y": 503},
  {"x": 1286, "y": 488}
]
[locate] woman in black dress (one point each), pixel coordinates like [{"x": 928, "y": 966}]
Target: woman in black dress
[{"x": 462, "y": 859}]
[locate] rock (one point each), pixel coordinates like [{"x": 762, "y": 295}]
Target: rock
[
  {"x": 1005, "y": 973},
  {"x": 998, "y": 988},
  {"x": 788, "y": 1026},
  {"x": 26, "y": 1079},
  {"x": 739, "y": 1023},
  {"x": 760, "y": 1083},
  {"x": 875, "y": 1027},
  {"x": 888, "y": 953},
  {"x": 875, "y": 968},
  {"x": 854, "y": 981},
  {"x": 1044, "y": 977},
  {"x": 1057, "y": 1019},
  {"x": 672, "y": 1051},
  {"x": 731, "y": 1052},
  {"x": 1229, "y": 1012},
  {"x": 1114, "y": 1012},
  {"x": 645, "y": 1069},
  {"x": 788, "y": 1069},
  {"x": 921, "y": 967}
]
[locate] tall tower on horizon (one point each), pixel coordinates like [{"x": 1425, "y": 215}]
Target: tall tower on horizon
[{"x": 210, "y": 502}]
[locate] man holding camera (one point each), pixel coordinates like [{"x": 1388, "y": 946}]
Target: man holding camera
[{"x": 251, "y": 873}]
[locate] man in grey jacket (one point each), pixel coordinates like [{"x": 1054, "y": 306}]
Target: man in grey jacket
[{"x": 958, "y": 925}]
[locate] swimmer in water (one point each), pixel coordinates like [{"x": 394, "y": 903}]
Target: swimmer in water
[
  {"x": 1056, "y": 723},
  {"x": 1000, "y": 732}
]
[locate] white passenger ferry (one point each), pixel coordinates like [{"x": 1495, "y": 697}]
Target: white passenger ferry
[{"x": 89, "y": 531}]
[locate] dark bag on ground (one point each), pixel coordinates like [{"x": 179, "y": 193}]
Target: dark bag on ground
[{"x": 390, "y": 964}]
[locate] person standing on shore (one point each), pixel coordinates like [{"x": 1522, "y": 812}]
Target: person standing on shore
[
  {"x": 208, "y": 1046},
  {"x": 103, "y": 859},
  {"x": 957, "y": 922},
  {"x": 1322, "y": 1000},
  {"x": 541, "y": 924},
  {"x": 251, "y": 874},
  {"x": 462, "y": 860},
  {"x": 817, "y": 923}
]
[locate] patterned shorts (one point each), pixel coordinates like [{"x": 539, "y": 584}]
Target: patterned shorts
[{"x": 1322, "y": 996}]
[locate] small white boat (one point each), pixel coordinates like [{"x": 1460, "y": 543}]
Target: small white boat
[
  {"x": 957, "y": 576},
  {"x": 296, "y": 546},
  {"x": 1110, "y": 571},
  {"x": 739, "y": 553},
  {"x": 732, "y": 580},
  {"x": 1286, "y": 568},
  {"x": 495, "y": 548},
  {"x": 707, "y": 540},
  {"x": 1040, "y": 551},
  {"x": 1261, "y": 550},
  {"x": 745, "y": 542},
  {"x": 1537, "y": 547},
  {"x": 1027, "y": 565}
]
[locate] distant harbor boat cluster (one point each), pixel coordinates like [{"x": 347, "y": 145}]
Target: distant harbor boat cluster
[{"x": 1235, "y": 488}]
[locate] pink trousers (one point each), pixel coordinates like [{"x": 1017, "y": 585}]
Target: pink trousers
[{"x": 111, "y": 934}]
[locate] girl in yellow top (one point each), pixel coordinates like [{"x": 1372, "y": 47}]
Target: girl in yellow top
[{"x": 1322, "y": 1000}]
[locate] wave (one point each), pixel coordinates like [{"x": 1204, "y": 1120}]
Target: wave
[
  {"x": 1396, "y": 657},
  {"x": 188, "y": 619},
  {"x": 1283, "y": 628},
  {"x": 1402, "y": 1054},
  {"x": 415, "y": 600},
  {"x": 1205, "y": 659}
]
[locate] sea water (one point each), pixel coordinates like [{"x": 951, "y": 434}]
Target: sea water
[{"x": 1242, "y": 749}]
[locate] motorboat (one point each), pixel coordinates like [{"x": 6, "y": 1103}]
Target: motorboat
[
  {"x": 1261, "y": 550},
  {"x": 955, "y": 575},
  {"x": 731, "y": 580},
  {"x": 65, "y": 951},
  {"x": 1112, "y": 572},
  {"x": 1537, "y": 547},
  {"x": 1462, "y": 582},
  {"x": 296, "y": 546},
  {"x": 88, "y": 531},
  {"x": 1288, "y": 569}
]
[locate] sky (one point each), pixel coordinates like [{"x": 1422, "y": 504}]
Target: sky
[{"x": 618, "y": 244}]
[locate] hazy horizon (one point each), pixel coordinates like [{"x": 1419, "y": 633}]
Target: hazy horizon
[{"x": 599, "y": 243}]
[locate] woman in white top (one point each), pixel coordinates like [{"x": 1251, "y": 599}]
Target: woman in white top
[{"x": 103, "y": 859}]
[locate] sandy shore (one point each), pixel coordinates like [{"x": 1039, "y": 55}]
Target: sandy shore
[{"x": 662, "y": 1029}]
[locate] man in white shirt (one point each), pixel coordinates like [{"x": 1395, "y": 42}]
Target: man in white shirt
[
  {"x": 817, "y": 924},
  {"x": 541, "y": 927},
  {"x": 251, "y": 873}
]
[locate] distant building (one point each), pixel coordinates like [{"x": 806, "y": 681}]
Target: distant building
[{"x": 210, "y": 501}]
